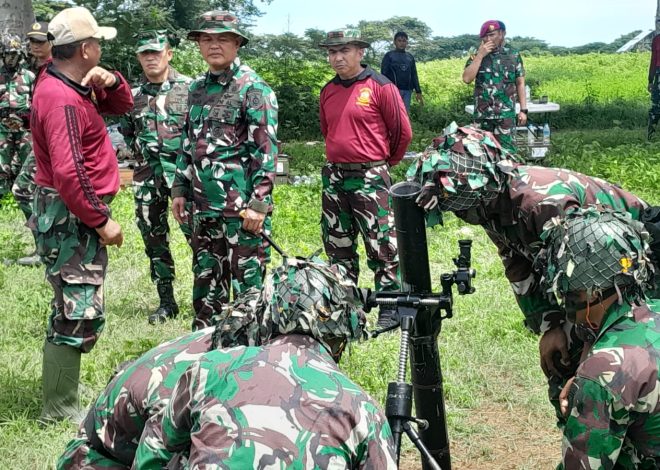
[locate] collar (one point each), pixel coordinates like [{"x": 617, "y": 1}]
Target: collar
[
  {"x": 85, "y": 91},
  {"x": 150, "y": 88},
  {"x": 613, "y": 315},
  {"x": 225, "y": 76},
  {"x": 366, "y": 73}
]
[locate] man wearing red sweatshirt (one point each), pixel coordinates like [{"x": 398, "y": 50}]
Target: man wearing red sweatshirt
[
  {"x": 366, "y": 130},
  {"x": 77, "y": 176}
]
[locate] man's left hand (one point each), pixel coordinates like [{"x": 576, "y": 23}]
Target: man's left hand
[
  {"x": 522, "y": 118},
  {"x": 100, "y": 78},
  {"x": 253, "y": 221},
  {"x": 419, "y": 98}
]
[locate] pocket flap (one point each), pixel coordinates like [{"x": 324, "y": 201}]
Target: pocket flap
[{"x": 82, "y": 274}]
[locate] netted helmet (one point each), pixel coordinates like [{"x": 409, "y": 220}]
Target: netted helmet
[
  {"x": 462, "y": 169},
  {"x": 596, "y": 249},
  {"x": 238, "y": 323},
  {"x": 312, "y": 298},
  {"x": 12, "y": 49}
]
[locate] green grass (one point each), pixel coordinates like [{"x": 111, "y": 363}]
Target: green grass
[{"x": 486, "y": 354}]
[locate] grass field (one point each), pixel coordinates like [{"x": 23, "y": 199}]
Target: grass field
[{"x": 499, "y": 417}]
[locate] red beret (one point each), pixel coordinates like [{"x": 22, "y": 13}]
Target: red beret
[{"x": 491, "y": 25}]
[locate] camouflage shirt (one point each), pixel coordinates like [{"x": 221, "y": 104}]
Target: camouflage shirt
[
  {"x": 15, "y": 89},
  {"x": 495, "y": 84},
  {"x": 514, "y": 222},
  {"x": 139, "y": 391},
  {"x": 284, "y": 405},
  {"x": 614, "y": 420},
  {"x": 227, "y": 158},
  {"x": 153, "y": 128}
]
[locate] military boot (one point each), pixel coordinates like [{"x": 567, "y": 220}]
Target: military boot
[
  {"x": 31, "y": 260},
  {"x": 60, "y": 378},
  {"x": 168, "y": 307}
]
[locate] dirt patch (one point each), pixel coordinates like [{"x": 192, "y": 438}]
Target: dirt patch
[{"x": 501, "y": 439}]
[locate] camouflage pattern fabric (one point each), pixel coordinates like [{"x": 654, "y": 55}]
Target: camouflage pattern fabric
[
  {"x": 130, "y": 402},
  {"x": 75, "y": 264},
  {"x": 153, "y": 131},
  {"x": 358, "y": 202},
  {"x": 614, "y": 402},
  {"x": 654, "y": 112},
  {"x": 24, "y": 187},
  {"x": 309, "y": 416},
  {"x": 15, "y": 140},
  {"x": 495, "y": 92},
  {"x": 227, "y": 159},
  {"x": 221, "y": 247}
]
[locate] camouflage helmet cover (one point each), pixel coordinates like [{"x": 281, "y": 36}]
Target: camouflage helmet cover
[
  {"x": 239, "y": 322},
  {"x": 595, "y": 249},
  {"x": 312, "y": 298},
  {"x": 11, "y": 43},
  {"x": 216, "y": 22},
  {"x": 466, "y": 164}
]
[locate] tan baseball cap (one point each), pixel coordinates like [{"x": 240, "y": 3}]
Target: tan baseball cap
[{"x": 75, "y": 24}]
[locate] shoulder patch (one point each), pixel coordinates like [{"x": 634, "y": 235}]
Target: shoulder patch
[{"x": 255, "y": 98}]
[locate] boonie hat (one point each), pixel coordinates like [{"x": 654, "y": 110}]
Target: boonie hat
[
  {"x": 339, "y": 37},
  {"x": 491, "y": 25},
  {"x": 216, "y": 22},
  {"x": 151, "y": 40},
  {"x": 76, "y": 24},
  {"x": 38, "y": 31}
]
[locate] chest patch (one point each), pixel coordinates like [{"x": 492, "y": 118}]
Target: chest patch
[{"x": 364, "y": 98}]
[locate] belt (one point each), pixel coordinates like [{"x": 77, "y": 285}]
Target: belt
[{"x": 359, "y": 166}]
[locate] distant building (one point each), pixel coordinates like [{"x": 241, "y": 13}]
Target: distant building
[{"x": 641, "y": 42}]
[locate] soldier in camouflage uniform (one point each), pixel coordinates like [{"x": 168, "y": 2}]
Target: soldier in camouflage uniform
[
  {"x": 366, "y": 130},
  {"x": 132, "y": 400},
  {"x": 467, "y": 172},
  {"x": 15, "y": 140},
  {"x": 500, "y": 80},
  {"x": 226, "y": 167},
  {"x": 153, "y": 131},
  {"x": 654, "y": 86},
  {"x": 285, "y": 404},
  {"x": 596, "y": 263}
]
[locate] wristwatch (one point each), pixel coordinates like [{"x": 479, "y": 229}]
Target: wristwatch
[{"x": 526, "y": 111}]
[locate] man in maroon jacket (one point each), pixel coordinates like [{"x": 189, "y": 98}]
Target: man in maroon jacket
[
  {"x": 77, "y": 176},
  {"x": 366, "y": 130},
  {"x": 654, "y": 85}
]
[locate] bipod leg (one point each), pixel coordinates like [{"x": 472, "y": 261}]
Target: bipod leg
[{"x": 415, "y": 439}]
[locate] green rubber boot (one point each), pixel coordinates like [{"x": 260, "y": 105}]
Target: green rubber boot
[{"x": 60, "y": 379}]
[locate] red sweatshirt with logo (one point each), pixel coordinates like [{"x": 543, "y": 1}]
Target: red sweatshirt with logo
[
  {"x": 364, "y": 119},
  {"x": 73, "y": 151}
]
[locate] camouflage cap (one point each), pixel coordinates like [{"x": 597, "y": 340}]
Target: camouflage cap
[
  {"x": 339, "y": 37},
  {"x": 594, "y": 249},
  {"x": 151, "y": 40},
  {"x": 312, "y": 298},
  {"x": 38, "y": 31},
  {"x": 462, "y": 168},
  {"x": 216, "y": 22}
]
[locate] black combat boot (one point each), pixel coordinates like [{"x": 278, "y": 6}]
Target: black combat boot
[{"x": 168, "y": 307}]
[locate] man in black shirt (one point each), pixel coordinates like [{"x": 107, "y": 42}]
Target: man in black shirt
[{"x": 399, "y": 66}]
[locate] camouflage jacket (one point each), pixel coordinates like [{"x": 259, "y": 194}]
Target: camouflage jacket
[
  {"x": 284, "y": 405},
  {"x": 15, "y": 91},
  {"x": 495, "y": 84},
  {"x": 614, "y": 402},
  {"x": 514, "y": 222},
  {"x": 227, "y": 159},
  {"x": 140, "y": 390},
  {"x": 153, "y": 128}
]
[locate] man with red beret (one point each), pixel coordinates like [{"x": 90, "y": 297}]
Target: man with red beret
[{"x": 500, "y": 82}]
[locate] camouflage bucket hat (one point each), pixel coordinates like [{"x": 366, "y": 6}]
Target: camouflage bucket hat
[
  {"x": 312, "y": 298},
  {"x": 238, "y": 323},
  {"x": 339, "y": 37},
  {"x": 462, "y": 168},
  {"x": 216, "y": 22},
  {"x": 595, "y": 249},
  {"x": 151, "y": 40}
]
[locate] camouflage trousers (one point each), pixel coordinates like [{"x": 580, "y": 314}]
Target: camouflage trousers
[
  {"x": 223, "y": 251},
  {"x": 654, "y": 112},
  {"x": 80, "y": 454},
  {"x": 75, "y": 267},
  {"x": 502, "y": 129},
  {"x": 24, "y": 186},
  {"x": 15, "y": 146},
  {"x": 151, "y": 211},
  {"x": 358, "y": 201}
]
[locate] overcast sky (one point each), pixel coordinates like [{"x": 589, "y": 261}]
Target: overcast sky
[{"x": 558, "y": 22}]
